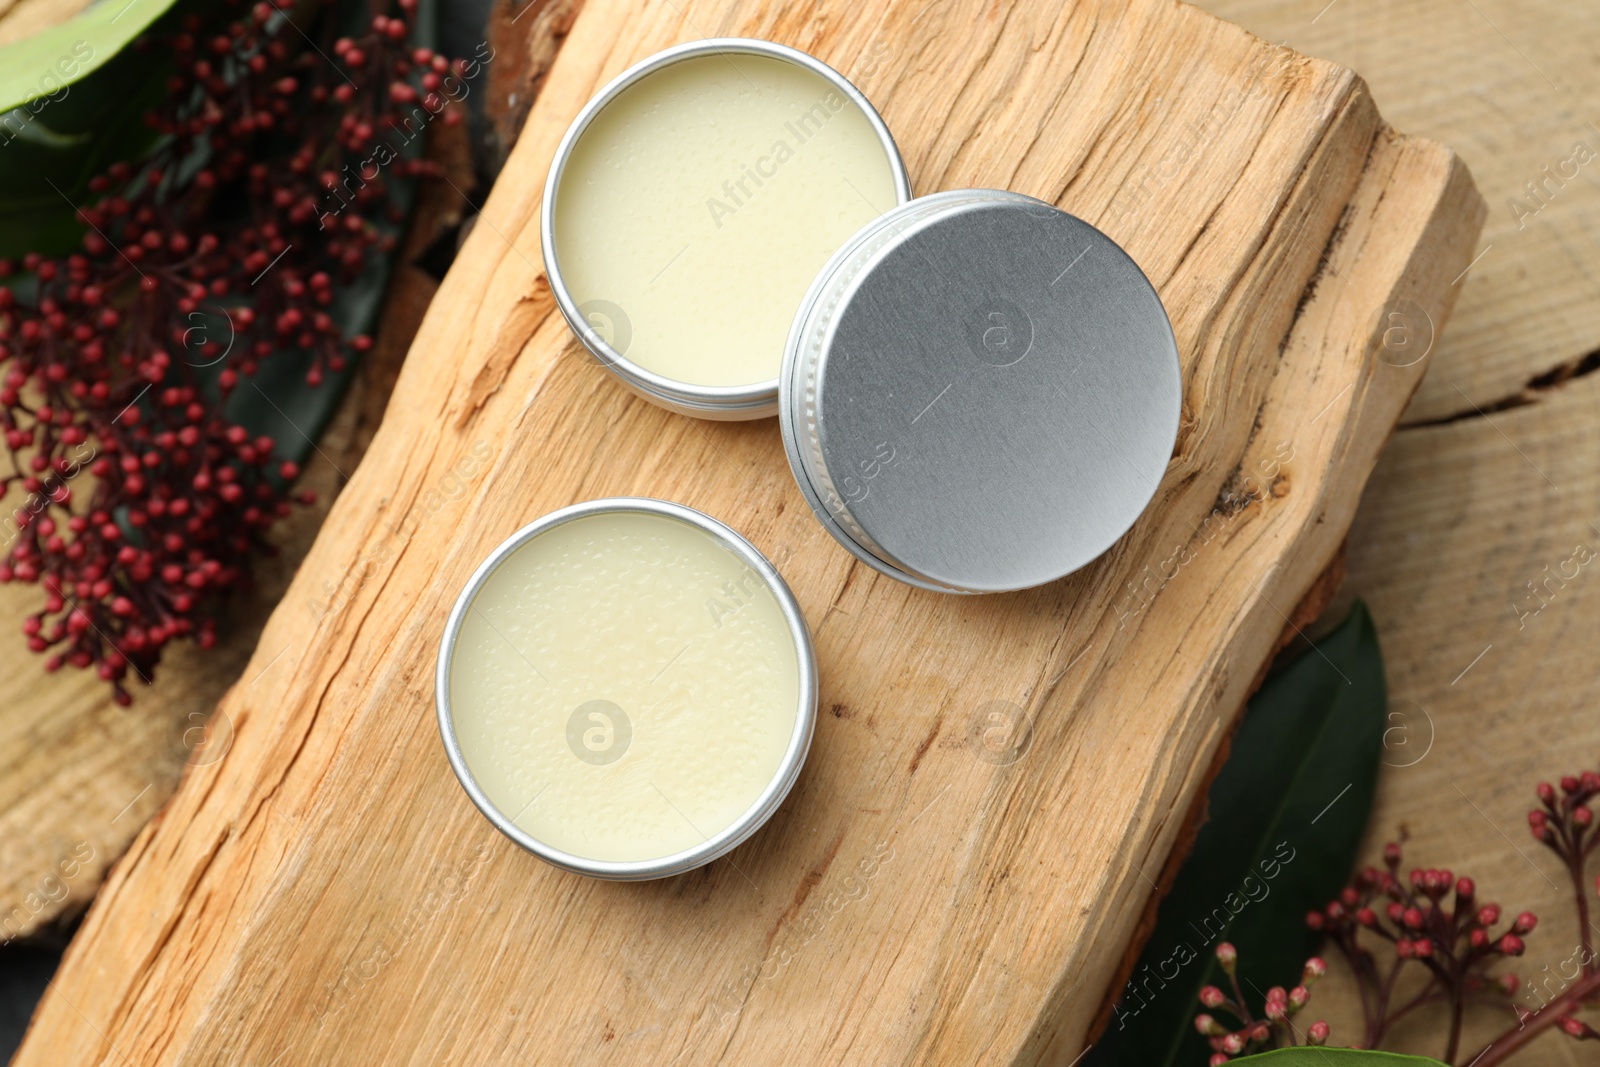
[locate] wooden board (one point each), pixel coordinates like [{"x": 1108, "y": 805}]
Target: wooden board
[
  {"x": 327, "y": 887},
  {"x": 1511, "y": 87}
]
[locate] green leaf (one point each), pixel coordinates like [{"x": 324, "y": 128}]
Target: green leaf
[
  {"x": 1284, "y": 819},
  {"x": 1334, "y": 1057},
  {"x": 51, "y": 147},
  {"x": 45, "y": 63}
]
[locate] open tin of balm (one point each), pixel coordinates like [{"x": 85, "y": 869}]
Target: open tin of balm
[
  {"x": 692, "y": 202},
  {"x": 626, "y": 688},
  {"x": 980, "y": 392}
]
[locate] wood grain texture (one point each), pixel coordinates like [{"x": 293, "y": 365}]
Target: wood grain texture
[
  {"x": 327, "y": 892},
  {"x": 1511, "y": 86},
  {"x": 20, "y": 18}
]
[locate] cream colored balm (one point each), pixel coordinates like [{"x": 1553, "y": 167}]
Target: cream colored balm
[
  {"x": 624, "y": 688},
  {"x": 697, "y": 205}
]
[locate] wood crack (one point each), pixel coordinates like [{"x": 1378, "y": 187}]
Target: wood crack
[{"x": 1532, "y": 391}]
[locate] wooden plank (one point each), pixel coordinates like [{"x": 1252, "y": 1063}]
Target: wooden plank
[
  {"x": 1510, "y": 87},
  {"x": 327, "y": 887}
]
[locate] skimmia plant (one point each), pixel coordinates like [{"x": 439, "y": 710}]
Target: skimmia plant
[
  {"x": 1431, "y": 924},
  {"x": 271, "y": 183},
  {"x": 1274, "y": 1029}
]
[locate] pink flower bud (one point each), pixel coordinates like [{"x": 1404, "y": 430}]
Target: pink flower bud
[
  {"x": 1569, "y": 784},
  {"x": 1423, "y": 947},
  {"x": 1227, "y": 955},
  {"x": 1509, "y": 983},
  {"x": 1573, "y": 1027},
  {"x": 1208, "y": 1026},
  {"x": 1465, "y": 889},
  {"x": 1315, "y": 968},
  {"x": 1211, "y": 996},
  {"x": 1511, "y": 945},
  {"x": 1233, "y": 1044},
  {"x": 1488, "y": 915},
  {"x": 1582, "y": 815},
  {"x": 1367, "y": 917},
  {"x": 1317, "y": 1033},
  {"x": 1218, "y": 1059},
  {"x": 1298, "y": 997},
  {"x": 1546, "y": 791},
  {"x": 1525, "y": 923},
  {"x": 1391, "y": 854},
  {"x": 1315, "y": 921}
]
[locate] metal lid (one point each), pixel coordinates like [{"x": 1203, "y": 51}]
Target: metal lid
[{"x": 980, "y": 392}]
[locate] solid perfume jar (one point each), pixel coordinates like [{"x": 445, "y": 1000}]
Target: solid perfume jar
[
  {"x": 692, "y": 202},
  {"x": 980, "y": 392},
  {"x": 626, "y": 688}
]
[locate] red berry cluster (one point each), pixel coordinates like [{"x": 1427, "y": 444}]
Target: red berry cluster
[
  {"x": 1565, "y": 822},
  {"x": 1418, "y": 922},
  {"x": 1432, "y": 919},
  {"x": 220, "y": 249},
  {"x": 1248, "y": 1034}
]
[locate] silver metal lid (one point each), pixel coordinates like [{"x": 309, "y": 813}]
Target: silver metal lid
[{"x": 980, "y": 392}]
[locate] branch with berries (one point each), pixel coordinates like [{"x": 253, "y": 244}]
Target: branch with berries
[
  {"x": 267, "y": 190},
  {"x": 1432, "y": 923},
  {"x": 1247, "y": 1034}
]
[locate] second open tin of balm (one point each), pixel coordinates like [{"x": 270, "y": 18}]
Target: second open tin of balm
[
  {"x": 980, "y": 392},
  {"x": 626, "y": 688},
  {"x": 692, "y": 201}
]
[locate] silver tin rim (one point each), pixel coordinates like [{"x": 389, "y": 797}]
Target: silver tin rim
[
  {"x": 794, "y": 756},
  {"x": 736, "y": 402},
  {"x": 808, "y": 336}
]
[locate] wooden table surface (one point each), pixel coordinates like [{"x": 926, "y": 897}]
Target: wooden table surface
[{"x": 1456, "y": 521}]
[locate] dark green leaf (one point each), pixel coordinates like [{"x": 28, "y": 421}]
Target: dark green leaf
[
  {"x": 1334, "y": 1057},
  {"x": 50, "y": 148},
  {"x": 1284, "y": 819},
  {"x": 277, "y": 401}
]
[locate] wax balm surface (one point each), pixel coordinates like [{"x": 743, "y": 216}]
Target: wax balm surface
[
  {"x": 697, "y": 207},
  {"x": 623, "y": 687}
]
